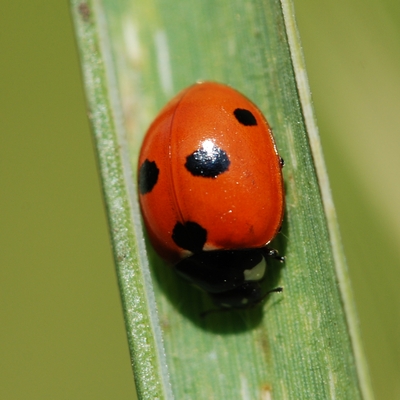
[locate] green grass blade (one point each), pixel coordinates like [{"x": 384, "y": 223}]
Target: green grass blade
[
  {"x": 302, "y": 344},
  {"x": 144, "y": 335},
  {"x": 331, "y": 218}
]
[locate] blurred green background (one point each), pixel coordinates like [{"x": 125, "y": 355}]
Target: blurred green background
[{"x": 62, "y": 333}]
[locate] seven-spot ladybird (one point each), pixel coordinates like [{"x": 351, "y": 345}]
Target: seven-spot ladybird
[{"x": 211, "y": 191}]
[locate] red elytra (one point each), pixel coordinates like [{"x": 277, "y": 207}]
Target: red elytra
[{"x": 210, "y": 181}]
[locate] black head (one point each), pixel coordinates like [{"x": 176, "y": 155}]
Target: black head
[{"x": 231, "y": 277}]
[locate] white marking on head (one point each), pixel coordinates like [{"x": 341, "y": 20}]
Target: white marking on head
[{"x": 257, "y": 272}]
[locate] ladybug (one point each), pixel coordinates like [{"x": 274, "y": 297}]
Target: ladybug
[{"x": 211, "y": 191}]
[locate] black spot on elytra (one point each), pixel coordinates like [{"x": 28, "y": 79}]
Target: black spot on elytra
[
  {"x": 245, "y": 117},
  {"x": 207, "y": 163},
  {"x": 282, "y": 162},
  {"x": 148, "y": 176},
  {"x": 189, "y": 236}
]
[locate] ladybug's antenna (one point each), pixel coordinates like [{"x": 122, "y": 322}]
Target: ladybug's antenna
[{"x": 272, "y": 253}]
